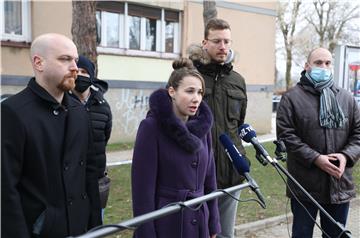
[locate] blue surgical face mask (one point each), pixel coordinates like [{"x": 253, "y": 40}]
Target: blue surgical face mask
[{"x": 320, "y": 74}]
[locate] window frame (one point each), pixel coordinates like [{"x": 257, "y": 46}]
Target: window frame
[
  {"x": 25, "y": 23},
  {"x": 160, "y": 42},
  {"x": 103, "y": 23}
]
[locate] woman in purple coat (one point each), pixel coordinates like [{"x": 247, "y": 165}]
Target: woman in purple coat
[{"x": 173, "y": 158}]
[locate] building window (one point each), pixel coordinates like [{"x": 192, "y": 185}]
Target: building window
[
  {"x": 171, "y": 31},
  {"x": 141, "y": 30},
  {"x": 134, "y": 32},
  {"x": 112, "y": 32},
  {"x": 15, "y": 20},
  {"x": 150, "y": 27}
]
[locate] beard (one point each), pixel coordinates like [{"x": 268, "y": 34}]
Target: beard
[
  {"x": 67, "y": 83},
  {"x": 220, "y": 58}
]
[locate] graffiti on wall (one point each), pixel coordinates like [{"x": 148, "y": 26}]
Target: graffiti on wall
[{"x": 132, "y": 106}]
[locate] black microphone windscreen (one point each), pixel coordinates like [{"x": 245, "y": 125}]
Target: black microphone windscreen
[
  {"x": 239, "y": 162},
  {"x": 246, "y": 133}
]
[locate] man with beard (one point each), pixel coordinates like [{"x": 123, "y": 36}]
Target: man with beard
[
  {"x": 226, "y": 95},
  {"x": 49, "y": 186}
]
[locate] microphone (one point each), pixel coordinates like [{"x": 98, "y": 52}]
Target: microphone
[
  {"x": 241, "y": 165},
  {"x": 248, "y": 134}
]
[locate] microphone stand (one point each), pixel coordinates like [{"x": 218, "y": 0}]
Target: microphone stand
[
  {"x": 136, "y": 221},
  {"x": 274, "y": 163}
]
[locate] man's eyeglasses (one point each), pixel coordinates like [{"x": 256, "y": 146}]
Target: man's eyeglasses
[{"x": 227, "y": 42}]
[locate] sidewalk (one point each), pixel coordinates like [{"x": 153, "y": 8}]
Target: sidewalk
[
  {"x": 278, "y": 227},
  {"x": 119, "y": 157}
]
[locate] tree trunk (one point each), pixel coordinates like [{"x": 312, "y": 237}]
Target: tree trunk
[
  {"x": 288, "y": 69},
  {"x": 209, "y": 10},
  {"x": 83, "y": 29},
  {"x": 287, "y": 28}
]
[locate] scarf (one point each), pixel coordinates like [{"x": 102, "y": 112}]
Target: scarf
[{"x": 331, "y": 114}]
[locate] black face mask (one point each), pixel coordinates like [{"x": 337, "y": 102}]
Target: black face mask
[{"x": 82, "y": 83}]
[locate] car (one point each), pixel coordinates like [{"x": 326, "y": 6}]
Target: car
[{"x": 275, "y": 102}]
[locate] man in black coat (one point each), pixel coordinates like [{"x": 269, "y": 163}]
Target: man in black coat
[{"x": 48, "y": 179}]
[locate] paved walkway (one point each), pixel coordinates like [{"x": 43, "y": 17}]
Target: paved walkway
[{"x": 280, "y": 227}]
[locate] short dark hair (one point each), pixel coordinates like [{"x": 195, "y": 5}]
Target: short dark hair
[
  {"x": 183, "y": 67},
  {"x": 215, "y": 24}
]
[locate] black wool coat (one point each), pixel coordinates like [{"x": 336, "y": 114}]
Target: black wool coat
[{"x": 48, "y": 173}]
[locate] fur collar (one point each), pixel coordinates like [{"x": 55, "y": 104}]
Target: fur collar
[
  {"x": 187, "y": 135},
  {"x": 203, "y": 63}
]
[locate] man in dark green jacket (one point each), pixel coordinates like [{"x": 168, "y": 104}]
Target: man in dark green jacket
[{"x": 226, "y": 95}]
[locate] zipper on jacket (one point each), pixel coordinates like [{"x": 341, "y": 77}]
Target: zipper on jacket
[{"x": 216, "y": 144}]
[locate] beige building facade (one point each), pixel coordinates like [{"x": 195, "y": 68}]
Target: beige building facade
[{"x": 138, "y": 41}]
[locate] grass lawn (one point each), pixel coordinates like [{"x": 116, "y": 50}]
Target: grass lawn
[
  {"x": 120, "y": 146},
  {"x": 270, "y": 183}
]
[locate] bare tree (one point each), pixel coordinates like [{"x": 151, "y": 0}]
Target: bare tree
[
  {"x": 287, "y": 19},
  {"x": 330, "y": 19},
  {"x": 83, "y": 28},
  {"x": 209, "y": 10}
]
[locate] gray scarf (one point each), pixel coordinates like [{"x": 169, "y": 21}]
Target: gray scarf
[{"x": 331, "y": 115}]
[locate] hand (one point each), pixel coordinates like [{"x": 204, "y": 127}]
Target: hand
[
  {"x": 342, "y": 160},
  {"x": 213, "y": 236},
  {"x": 323, "y": 162}
]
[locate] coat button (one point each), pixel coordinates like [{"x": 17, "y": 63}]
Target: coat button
[
  {"x": 66, "y": 167},
  {"x": 81, "y": 162},
  {"x": 84, "y": 196},
  {"x": 70, "y": 202},
  {"x": 56, "y": 112},
  {"x": 194, "y": 164},
  {"x": 194, "y": 222}
]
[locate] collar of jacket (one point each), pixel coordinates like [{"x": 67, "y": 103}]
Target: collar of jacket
[
  {"x": 187, "y": 135},
  {"x": 102, "y": 85},
  {"x": 213, "y": 68},
  {"x": 306, "y": 85},
  {"x": 45, "y": 96},
  {"x": 96, "y": 96},
  {"x": 203, "y": 63}
]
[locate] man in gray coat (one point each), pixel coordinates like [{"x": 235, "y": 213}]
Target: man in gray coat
[
  {"x": 49, "y": 185},
  {"x": 320, "y": 125}
]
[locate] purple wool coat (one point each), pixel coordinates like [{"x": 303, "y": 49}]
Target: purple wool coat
[{"x": 174, "y": 162}]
